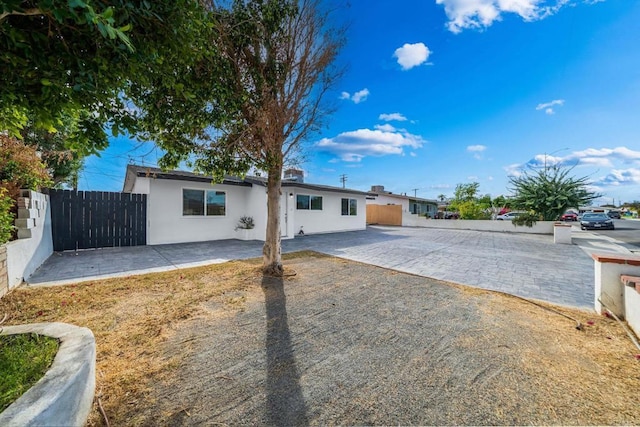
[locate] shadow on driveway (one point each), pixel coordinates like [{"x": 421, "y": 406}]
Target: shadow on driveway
[{"x": 285, "y": 403}]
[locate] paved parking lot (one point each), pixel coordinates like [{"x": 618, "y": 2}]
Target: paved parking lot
[{"x": 530, "y": 266}]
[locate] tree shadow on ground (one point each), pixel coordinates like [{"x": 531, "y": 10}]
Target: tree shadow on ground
[{"x": 285, "y": 402}]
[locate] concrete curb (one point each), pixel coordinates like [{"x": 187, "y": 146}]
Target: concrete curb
[{"x": 64, "y": 396}]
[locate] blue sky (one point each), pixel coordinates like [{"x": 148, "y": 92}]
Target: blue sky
[{"x": 443, "y": 92}]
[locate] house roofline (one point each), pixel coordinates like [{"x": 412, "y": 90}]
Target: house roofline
[{"x": 135, "y": 171}]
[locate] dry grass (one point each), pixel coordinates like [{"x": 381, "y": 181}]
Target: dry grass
[{"x": 132, "y": 317}]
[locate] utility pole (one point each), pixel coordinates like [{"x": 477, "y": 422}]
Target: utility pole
[
  {"x": 415, "y": 192},
  {"x": 343, "y": 180}
]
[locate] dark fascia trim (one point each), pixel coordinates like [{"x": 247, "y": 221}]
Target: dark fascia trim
[
  {"x": 194, "y": 178},
  {"x": 262, "y": 182},
  {"x": 323, "y": 188},
  {"x": 155, "y": 173}
]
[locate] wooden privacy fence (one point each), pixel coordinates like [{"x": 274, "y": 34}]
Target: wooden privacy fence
[
  {"x": 97, "y": 219},
  {"x": 384, "y": 214}
]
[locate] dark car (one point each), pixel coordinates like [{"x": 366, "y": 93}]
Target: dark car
[
  {"x": 614, "y": 214},
  {"x": 596, "y": 221},
  {"x": 569, "y": 216}
]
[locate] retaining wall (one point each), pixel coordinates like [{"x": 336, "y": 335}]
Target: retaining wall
[
  {"x": 35, "y": 242},
  {"x": 621, "y": 299}
]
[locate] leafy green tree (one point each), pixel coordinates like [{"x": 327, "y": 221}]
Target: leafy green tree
[
  {"x": 472, "y": 210},
  {"x": 549, "y": 192},
  {"x": 257, "y": 95},
  {"x": 20, "y": 167},
  {"x": 64, "y": 150},
  {"x": 466, "y": 192},
  {"x": 467, "y": 202},
  {"x": 63, "y": 56}
]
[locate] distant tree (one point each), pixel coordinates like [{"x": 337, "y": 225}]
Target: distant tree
[
  {"x": 549, "y": 192},
  {"x": 258, "y": 94},
  {"x": 466, "y": 192},
  {"x": 469, "y": 204},
  {"x": 442, "y": 198}
]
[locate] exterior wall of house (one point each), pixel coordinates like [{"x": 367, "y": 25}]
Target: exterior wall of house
[
  {"x": 35, "y": 242},
  {"x": 386, "y": 199},
  {"x": 256, "y": 207},
  {"x": 330, "y": 218},
  {"x": 167, "y": 224},
  {"x": 142, "y": 185}
]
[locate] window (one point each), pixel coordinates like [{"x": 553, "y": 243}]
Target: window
[
  {"x": 349, "y": 207},
  {"x": 302, "y": 201},
  {"x": 193, "y": 203},
  {"x": 309, "y": 202},
  {"x": 216, "y": 203},
  {"x": 316, "y": 203}
]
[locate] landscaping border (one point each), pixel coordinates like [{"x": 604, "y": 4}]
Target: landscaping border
[{"x": 64, "y": 395}]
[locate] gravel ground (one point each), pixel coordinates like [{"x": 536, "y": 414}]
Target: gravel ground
[{"x": 343, "y": 343}]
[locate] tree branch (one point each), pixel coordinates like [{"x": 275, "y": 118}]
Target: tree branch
[{"x": 28, "y": 12}]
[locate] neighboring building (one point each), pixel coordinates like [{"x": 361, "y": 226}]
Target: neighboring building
[
  {"x": 412, "y": 205},
  {"x": 187, "y": 207}
]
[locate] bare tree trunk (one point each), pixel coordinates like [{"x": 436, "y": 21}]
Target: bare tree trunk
[{"x": 271, "y": 251}]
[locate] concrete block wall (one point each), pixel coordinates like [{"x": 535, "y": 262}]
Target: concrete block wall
[
  {"x": 4, "y": 276},
  {"x": 541, "y": 227},
  {"x": 35, "y": 241}
]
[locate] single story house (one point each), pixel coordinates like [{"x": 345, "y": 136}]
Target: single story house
[
  {"x": 412, "y": 205},
  {"x": 188, "y": 207}
]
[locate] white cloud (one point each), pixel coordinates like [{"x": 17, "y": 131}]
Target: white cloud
[
  {"x": 357, "y": 97},
  {"x": 472, "y": 178},
  {"x": 392, "y": 116},
  {"x": 353, "y": 146},
  {"x": 477, "y": 150},
  {"x": 441, "y": 186},
  {"x": 479, "y": 14},
  {"x": 413, "y": 154},
  {"x": 548, "y": 106},
  {"x": 617, "y": 177},
  {"x": 605, "y": 158},
  {"x": 385, "y": 128},
  {"x": 412, "y": 55}
]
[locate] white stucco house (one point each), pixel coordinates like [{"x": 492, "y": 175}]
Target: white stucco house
[{"x": 187, "y": 207}]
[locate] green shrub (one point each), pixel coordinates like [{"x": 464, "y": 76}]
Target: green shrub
[
  {"x": 6, "y": 217},
  {"x": 526, "y": 219}
]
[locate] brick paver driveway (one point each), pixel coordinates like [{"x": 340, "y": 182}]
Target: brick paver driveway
[{"x": 530, "y": 266}]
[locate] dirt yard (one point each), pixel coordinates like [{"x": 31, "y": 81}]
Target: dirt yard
[{"x": 337, "y": 343}]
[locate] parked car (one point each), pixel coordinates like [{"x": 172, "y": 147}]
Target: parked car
[
  {"x": 509, "y": 216},
  {"x": 614, "y": 214},
  {"x": 596, "y": 221},
  {"x": 569, "y": 216},
  {"x": 451, "y": 215}
]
